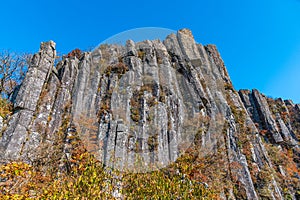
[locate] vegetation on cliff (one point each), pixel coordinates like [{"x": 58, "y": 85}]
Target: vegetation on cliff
[{"x": 152, "y": 119}]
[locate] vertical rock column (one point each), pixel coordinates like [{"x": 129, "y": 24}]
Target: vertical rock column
[
  {"x": 26, "y": 103},
  {"x": 266, "y": 116}
]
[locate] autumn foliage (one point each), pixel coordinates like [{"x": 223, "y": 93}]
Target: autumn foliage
[{"x": 75, "y": 53}]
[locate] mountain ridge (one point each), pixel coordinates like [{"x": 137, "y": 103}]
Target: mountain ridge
[{"x": 153, "y": 100}]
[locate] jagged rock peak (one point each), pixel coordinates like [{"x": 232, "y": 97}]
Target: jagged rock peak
[
  {"x": 48, "y": 48},
  {"x": 151, "y": 101},
  {"x": 186, "y": 32}
]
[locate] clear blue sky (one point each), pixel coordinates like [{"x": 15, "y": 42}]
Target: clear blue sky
[{"x": 259, "y": 40}]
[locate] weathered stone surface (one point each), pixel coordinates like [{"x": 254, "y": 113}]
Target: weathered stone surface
[
  {"x": 13, "y": 140},
  {"x": 266, "y": 116},
  {"x": 37, "y": 75},
  {"x": 298, "y": 107},
  {"x": 289, "y": 102},
  {"x": 1, "y": 123},
  {"x": 144, "y": 103}
]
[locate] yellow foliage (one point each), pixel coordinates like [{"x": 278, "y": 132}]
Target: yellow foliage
[
  {"x": 5, "y": 107},
  {"x": 88, "y": 179}
]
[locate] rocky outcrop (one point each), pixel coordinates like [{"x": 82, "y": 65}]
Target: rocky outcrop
[
  {"x": 142, "y": 105},
  {"x": 18, "y": 134}
]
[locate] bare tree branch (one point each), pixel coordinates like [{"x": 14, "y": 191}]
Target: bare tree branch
[{"x": 13, "y": 68}]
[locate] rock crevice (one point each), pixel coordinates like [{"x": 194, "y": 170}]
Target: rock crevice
[{"x": 147, "y": 103}]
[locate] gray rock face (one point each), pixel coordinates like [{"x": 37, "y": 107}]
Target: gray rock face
[
  {"x": 26, "y": 102},
  {"x": 38, "y": 73},
  {"x": 140, "y": 106},
  {"x": 269, "y": 122},
  {"x": 1, "y": 123},
  {"x": 259, "y": 109},
  {"x": 298, "y": 107}
]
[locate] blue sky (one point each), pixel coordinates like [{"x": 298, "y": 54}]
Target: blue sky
[{"x": 259, "y": 40}]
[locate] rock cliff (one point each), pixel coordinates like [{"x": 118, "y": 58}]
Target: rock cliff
[{"x": 142, "y": 105}]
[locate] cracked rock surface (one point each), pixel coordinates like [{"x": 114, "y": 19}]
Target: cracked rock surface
[{"x": 146, "y": 102}]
